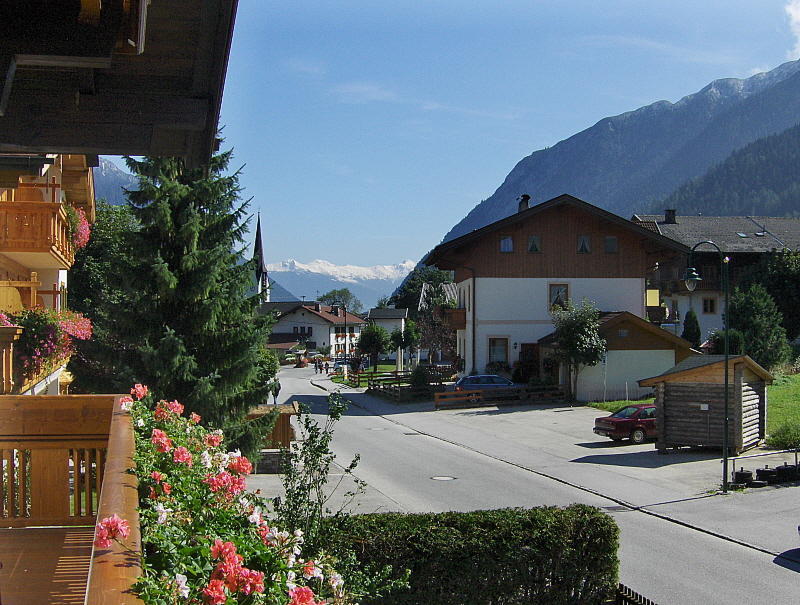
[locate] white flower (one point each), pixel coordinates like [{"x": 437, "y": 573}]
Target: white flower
[
  {"x": 139, "y": 422},
  {"x": 221, "y": 460},
  {"x": 162, "y": 513},
  {"x": 255, "y": 516},
  {"x": 335, "y": 580},
  {"x": 290, "y": 577},
  {"x": 206, "y": 459},
  {"x": 235, "y": 454},
  {"x": 125, "y": 405},
  {"x": 180, "y": 581}
]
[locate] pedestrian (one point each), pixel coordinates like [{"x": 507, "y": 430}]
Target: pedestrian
[
  {"x": 327, "y": 368},
  {"x": 276, "y": 388}
]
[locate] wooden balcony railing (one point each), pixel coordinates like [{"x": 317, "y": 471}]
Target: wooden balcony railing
[
  {"x": 455, "y": 318},
  {"x": 36, "y": 234},
  {"x": 64, "y": 461}
]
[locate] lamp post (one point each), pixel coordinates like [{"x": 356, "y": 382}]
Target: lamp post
[
  {"x": 346, "y": 365},
  {"x": 691, "y": 279}
]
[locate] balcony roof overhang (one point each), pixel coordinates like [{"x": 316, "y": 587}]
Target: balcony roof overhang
[{"x": 146, "y": 82}]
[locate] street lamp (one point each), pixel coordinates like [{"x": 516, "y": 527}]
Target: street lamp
[
  {"x": 346, "y": 360},
  {"x": 691, "y": 279}
]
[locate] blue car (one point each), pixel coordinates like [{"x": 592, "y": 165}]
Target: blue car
[{"x": 482, "y": 381}]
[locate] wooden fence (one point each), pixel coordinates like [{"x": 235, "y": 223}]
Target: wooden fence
[
  {"x": 510, "y": 396},
  {"x": 626, "y": 596},
  {"x": 52, "y": 456}
]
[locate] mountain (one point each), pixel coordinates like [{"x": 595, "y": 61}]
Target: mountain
[
  {"x": 762, "y": 179},
  {"x": 110, "y": 179},
  {"x": 312, "y": 279},
  {"x": 626, "y": 162}
]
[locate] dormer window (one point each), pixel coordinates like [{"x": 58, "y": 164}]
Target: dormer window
[{"x": 506, "y": 243}]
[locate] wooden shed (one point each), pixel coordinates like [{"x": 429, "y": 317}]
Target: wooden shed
[{"x": 690, "y": 403}]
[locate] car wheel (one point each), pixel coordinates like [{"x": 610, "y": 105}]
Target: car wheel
[{"x": 638, "y": 436}]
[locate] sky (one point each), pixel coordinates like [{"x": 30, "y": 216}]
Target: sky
[{"x": 368, "y": 129}]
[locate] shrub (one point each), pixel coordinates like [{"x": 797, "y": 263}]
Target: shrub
[
  {"x": 419, "y": 377},
  {"x": 785, "y": 437},
  {"x": 736, "y": 345},
  {"x": 691, "y": 328},
  {"x": 497, "y": 367},
  {"x": 540, "y": 555}
]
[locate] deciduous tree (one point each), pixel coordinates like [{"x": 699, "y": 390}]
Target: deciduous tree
[
  {"x": 577, "y": 337},
  {"x": 342, "y": 296},
  {"x": 373, "y": 341}
]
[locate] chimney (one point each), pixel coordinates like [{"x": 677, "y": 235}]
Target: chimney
[
  {"x": 523, "y": 202},
  {"x": 335, "y": 310},
  {"x": 317, "y": 307},
  {"x": 670, "y": 215}
]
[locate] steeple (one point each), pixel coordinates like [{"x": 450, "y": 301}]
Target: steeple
[{"x": 262, "y": 275}]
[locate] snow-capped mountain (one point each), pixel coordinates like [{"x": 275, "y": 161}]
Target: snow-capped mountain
[
  {"x": 110, "y": 180},
  {"x": 317, "y": 277}
]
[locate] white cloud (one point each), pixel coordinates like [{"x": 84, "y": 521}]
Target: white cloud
[
  {"x": 364, "y": 92},
  {"x": 370, "y": 92},
  {"x": 792, "y": 9}
]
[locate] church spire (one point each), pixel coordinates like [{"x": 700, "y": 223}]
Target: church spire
[{"x": 262, "y": 275}]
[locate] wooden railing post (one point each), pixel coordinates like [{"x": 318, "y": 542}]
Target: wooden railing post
[{"x": 8, "y": 334}]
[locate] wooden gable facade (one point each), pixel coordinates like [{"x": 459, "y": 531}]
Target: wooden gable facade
[{"x": 562, "y": 238}]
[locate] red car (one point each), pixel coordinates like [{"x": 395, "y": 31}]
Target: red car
[{"x": 637, "y": 422}]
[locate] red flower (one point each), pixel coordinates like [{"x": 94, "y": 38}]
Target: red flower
[
  {"x": 139, "y": 391},
  {"x": 240, "y": 465},
  {"x": 214, "y": 593},
  {"x": 182, "y": 456},
  {"x": 152, "y": 493},
  {"x": 302, "y": 595},
  {"x": 225, "y": 482},
  {"x": 109, "y": 529},
  {"x": 222, "y": 550},
  {"x": 251, "y": 581},
  {"x": 161, "y": 441},
  {"x": 194, "y": 418},
  {"x": 159, "y": 477},
  {"x": 175, "y": 407},
  {"x": 167, "y": 488},
  {"x": 213, "y": 439}
]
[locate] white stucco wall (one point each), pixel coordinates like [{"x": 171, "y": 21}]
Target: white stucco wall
[
  {"x": 608, "y": 381},
  {"x": 709, "y": 322},
  {"x": 519, "y": 309}
]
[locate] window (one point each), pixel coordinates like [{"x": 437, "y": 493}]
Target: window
[
  {"x": 295, "y": 329},
  {"x": 534, "y": 243},
  {"x": 351, "y": 329},
  {"x": 559, "y": 294},
  {"x": 647, "y": 413},
  {"x": 302, "y": 329},
  {"x": 623, "y": 333},
  {"x": 611, "y": 244},
  {"x": 498, "y": 350},
  {"x": 584, "y": 244},
  {"x": 709, "y": 305},
  {"x": 309, "y": 330},
  {"x": 506, "y": 243}
]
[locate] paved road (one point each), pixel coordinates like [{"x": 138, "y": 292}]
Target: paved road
[{"x": 402, "y": 450}]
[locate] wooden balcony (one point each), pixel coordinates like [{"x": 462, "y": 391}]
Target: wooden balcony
[
  {"x": 455, "y": 318},
  {"x": 36, "y": 234},
  {"x": 63, "y": 464}
]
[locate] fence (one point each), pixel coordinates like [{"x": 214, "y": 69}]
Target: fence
[
  {"x": 626, "y": 596},
  {"x": 510, "y": 396}
]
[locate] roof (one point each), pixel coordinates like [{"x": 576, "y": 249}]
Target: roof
[
  {"x": 387, "y": 313},
  {"x": 326, "y": 312},
  {"x": 132, "y": 78},
  {"x": 563, "y": 199},
  {"x": 730, "y": 233},
  {"x": 280, "y": 307},
  {"x": 449, "y": 290},
  {"x": 609, "y": 319},
  {"x": 695, "y": 362}
]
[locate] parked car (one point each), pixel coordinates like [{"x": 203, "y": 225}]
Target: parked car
[
  {"x": 482, "y": 381},
  {"x": 636, "y": 422}
]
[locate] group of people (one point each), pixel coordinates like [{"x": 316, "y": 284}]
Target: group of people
[{"x": 320, "y": 367}]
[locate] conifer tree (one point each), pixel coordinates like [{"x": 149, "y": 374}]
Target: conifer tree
[
  {"x": 753, "y": 313},
  {"x": 691, "y": 328},
  {"x": 189, "y": 318}
]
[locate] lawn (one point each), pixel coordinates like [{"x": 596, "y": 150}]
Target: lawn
[{"x": 783, "y": 402}]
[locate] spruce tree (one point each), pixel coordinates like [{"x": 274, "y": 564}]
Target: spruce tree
[
  {"x": 753, "y": 313},
  {"x": 691, "y": 328},
  {"x": 189, "y": 320}
]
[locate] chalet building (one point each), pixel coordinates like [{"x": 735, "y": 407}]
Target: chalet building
[
  {"x": 743, "y": 239},
  {"x": 36, "y": 246},
  {"x": 317, "y": 325},
  {"x": 510, "y": 273},
  {"x": 389, "y": 319},
  {"x": 79, "y": 79}
]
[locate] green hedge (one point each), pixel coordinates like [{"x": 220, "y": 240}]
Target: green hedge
[{"x": 540, "y": 555}]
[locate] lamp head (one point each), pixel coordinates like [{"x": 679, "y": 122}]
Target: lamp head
[{"x": 691, "y": 278}]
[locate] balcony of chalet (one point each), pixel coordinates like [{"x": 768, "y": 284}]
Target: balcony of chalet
[
  {"x": 456, "y": 319},
  {"x": 63, "y": 465}
]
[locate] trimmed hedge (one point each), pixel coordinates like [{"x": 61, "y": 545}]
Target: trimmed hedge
[{"x": 539, "y": 555}]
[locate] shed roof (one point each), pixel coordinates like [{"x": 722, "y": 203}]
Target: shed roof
[
  {"x": 690, "y": 364},
  {"x": 387, "y": 313},
  {"x": 731, "y": 233},
  {"x": 326, "y": 312},
  {"x": 609, "y": 319}
]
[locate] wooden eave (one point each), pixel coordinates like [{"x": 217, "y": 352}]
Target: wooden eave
[
  {"x": 446, "y": 255},
  {"x": 689, "y": 373},
  {"x": 163, "y": 102}
]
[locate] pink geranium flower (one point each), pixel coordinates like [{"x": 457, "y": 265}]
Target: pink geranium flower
[
  {"x": 109, "y": 529},
  {"x": 139, "y": 391},
  {"x": 157, "y": 476},
  {"x": 125, "y": 402},
  {"x": 194, "y": 418},
  {"x": 213, "y": 439},
  {"x": 302, "y": 595},
  {"x": 182, "y": 456},
  {"x": 240, "y": 465},
  {"x": 175, "y": 407},
  {"x": 161, "y": 441},
  {"x": 214, "y": 593}
]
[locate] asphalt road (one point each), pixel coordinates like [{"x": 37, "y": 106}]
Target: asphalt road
[{"x": 404, "y": 464}]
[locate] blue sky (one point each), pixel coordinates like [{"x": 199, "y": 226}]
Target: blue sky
[{"x": 368, "y": 129}]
